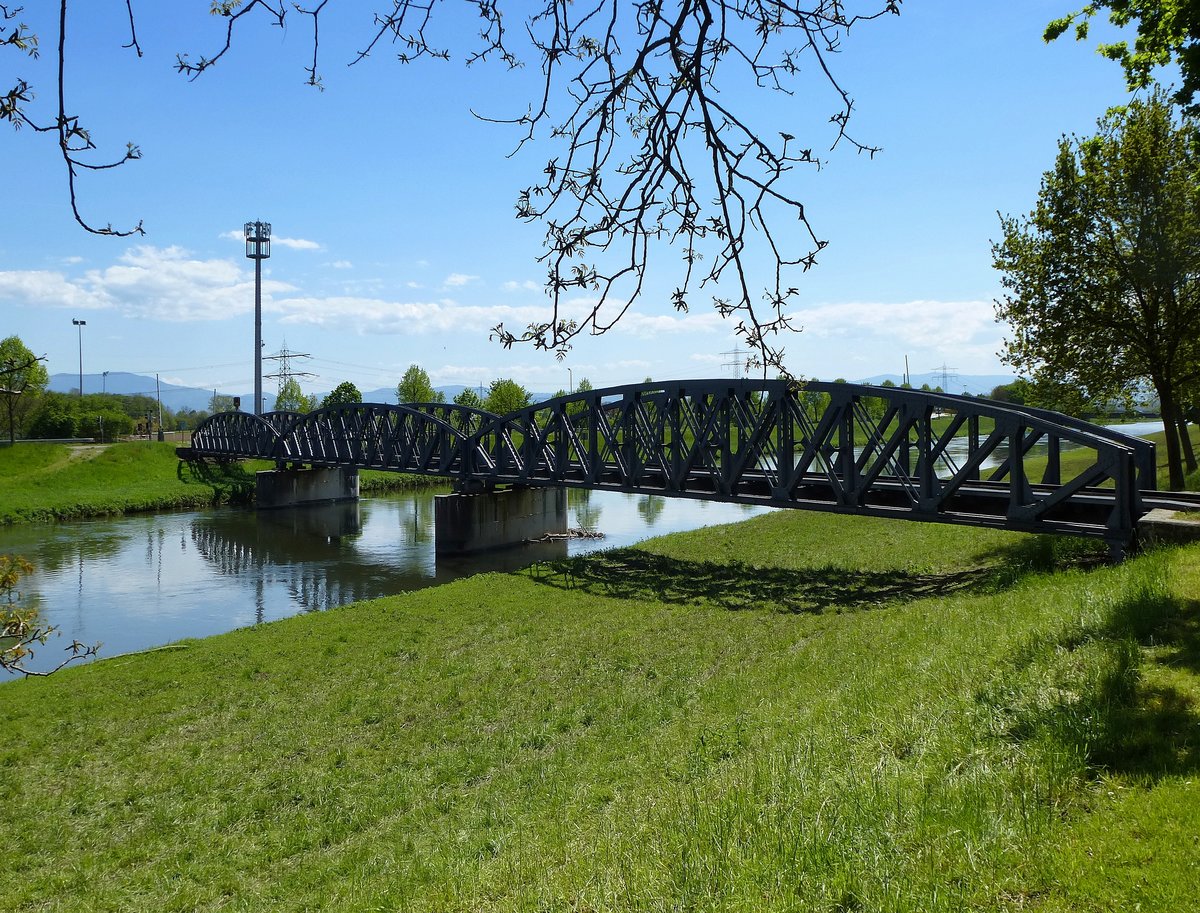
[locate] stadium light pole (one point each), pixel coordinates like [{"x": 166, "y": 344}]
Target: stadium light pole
[
  {"x": 80, "y": 324},
  {"x": 258, "y": 249}
]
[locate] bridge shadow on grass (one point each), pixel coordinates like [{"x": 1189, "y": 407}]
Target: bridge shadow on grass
[
  {"x": 634, "y": 574},
  {"x": 229, "y": 482}
]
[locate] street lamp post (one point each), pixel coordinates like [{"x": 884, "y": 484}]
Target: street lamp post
[
  {"x": 258, "y": 249},
  {"x": 80, "y": 324}
]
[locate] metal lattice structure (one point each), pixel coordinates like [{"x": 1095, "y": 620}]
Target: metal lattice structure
[{"x": 849, "y": 448}]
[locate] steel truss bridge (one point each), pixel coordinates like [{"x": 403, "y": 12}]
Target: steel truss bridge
[{"x": 844, "y": 448}]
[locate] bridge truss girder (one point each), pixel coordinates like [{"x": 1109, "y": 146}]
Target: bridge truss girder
[{"x": 879, "y": 451}]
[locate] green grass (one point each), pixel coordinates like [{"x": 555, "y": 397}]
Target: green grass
[
  {"x": 1073, "y": 462},
  {"x": 40, "y": 482},
  {"x": 801, "y": 712}
]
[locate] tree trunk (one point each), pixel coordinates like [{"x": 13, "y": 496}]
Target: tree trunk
[
  {"x": 1170, "y": 415},
  {"x": 1189, "y": 452}
]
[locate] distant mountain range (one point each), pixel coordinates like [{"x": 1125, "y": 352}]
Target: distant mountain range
[
  {"x": 975, "y": 384},
  {"x": 175, "y": 397}
]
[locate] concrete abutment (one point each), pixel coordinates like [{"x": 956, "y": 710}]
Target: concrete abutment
[
  {"x": 296, "y": 487},
  {"x": 496, "y": 519}
]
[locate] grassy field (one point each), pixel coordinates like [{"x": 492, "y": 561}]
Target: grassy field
[
  {"x": 1072, "y": 462},
  {"x": 800, "y": 712},
  {"x": 41, "y": 482}
]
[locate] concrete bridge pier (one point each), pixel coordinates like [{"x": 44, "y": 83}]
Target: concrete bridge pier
[
  {"x": 477, "y": 521},
  {"x": 297, "y": 486}
]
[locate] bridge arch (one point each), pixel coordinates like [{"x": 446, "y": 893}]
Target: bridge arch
[
  {"x": 420, "y": 438},
  {"x": 234, "y": 435}
]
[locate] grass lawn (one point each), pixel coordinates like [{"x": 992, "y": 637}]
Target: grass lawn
[
  {"x": 799, "y": 712},
  {"x": 1073, "y": 462},
  {"x": 41, "y": 482}
]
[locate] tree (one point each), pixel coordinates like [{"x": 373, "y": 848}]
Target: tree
[
  {"x": 1103, "y": 277},
  {"x": 343, "y": 393},
  {"x": 22, "y": 378},
  {"x": 470, "y": 398},
  {"x": 1166, "y": 30},
  {"x": 56, "y": 416},
  {"x": 652, "y": 135},
  {"x": 292, "y": 399},
  {"x": 415, "y": 387},
  {"x": 505, "y": 396},
  {"x": 1017, "y": 392},
  {"x": 220, "y": 402}
]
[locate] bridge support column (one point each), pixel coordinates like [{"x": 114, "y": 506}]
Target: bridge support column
[
  {"x": 293, "y": 487},
  {"x": 495, "y": 519}
]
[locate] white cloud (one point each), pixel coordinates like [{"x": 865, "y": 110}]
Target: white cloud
[
  {"x": 296, "y": 243},
  {"x": 342, "y": 264},
  {"x": 44, "y": 288},
  {"x": 363, "y": 315},
  {"x": 147, "y": 282},
  {"x": 924, "y": 324},
  {"x": 378, "y": 315},
  {"x": 293, "y": 243},
  {"x": 527, "y": 286},
  {"x": 457, "y": 280}
]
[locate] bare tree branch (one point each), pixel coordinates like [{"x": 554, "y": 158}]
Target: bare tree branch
[{"x": 644, "y": 104}]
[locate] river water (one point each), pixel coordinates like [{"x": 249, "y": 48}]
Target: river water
[{"x": 142, "y": 581}]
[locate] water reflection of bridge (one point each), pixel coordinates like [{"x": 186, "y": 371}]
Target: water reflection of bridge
[
  {"x": 886, "y": 452},
  {"x": 302, "y": 548}
]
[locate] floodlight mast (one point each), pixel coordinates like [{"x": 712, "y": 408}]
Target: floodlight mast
[
  {"x": 258, "y": 249},
  {"x": 80, "y": 324}
]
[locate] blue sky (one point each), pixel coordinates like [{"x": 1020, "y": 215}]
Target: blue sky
[{"x": 392, "y": 205}]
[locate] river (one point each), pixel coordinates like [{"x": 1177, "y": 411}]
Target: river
[{"x": 132, "y": 583}]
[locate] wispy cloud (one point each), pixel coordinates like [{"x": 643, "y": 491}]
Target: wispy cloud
[
  {"x": 928, "y": 324},
  {"x": 296, "y": 243},
  {"x": 146, "y": 282},
  {"x": 293, "y": 243},
  {"x": 458, "y": 280}
]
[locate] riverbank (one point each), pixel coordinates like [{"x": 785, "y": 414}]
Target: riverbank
[
  {"x": 801, "y": 711},
  {"x": 44, "y": 482}
]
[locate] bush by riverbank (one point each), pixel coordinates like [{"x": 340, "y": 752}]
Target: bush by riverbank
[
  {"x": 800, "y": 712},
  {"x": 40, "y": 482}
]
